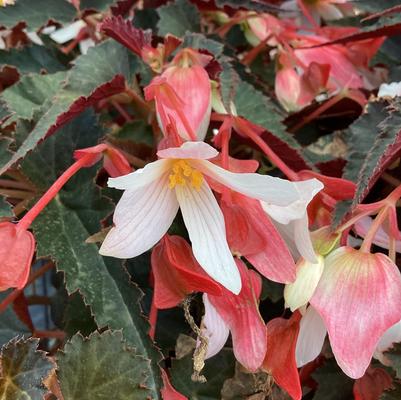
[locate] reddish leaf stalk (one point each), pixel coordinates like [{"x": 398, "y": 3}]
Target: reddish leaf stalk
[{"x": 29, "y": 217}]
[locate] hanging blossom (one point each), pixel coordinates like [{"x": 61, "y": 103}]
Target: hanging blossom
[
  {"x": 354, "y": 295},
  {"x": 183, "y": 93},
  {"x": 154, "y": 194}
]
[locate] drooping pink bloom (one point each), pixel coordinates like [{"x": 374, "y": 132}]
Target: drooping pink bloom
[
  {"x": 183, "y": 93},
  {"x": 372, "y": 385},
  {"x": 154, "y": 193},
  {"x": 280, "y": 355},
  {"x": 16, "y": 253},
  {"x": 240, "y": 316},
  {"x": 177, "y": 273},
  {"x": 114, "y": 162},
  {"x": 358, "y": 298}
]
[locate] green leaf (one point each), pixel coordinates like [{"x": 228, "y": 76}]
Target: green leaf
[
  {"x": 10, "y": 325},
  {"x": 5, "y": 208},
  {"x": 201, "y": 42},
  {"x": 29, "y": 94},
  {"x": 37, "y": 13},
  {"x": 64, "y": 225},
  {"x": 392, "y": 394},
  {"x": 31, "y": 59},
  {"x": 23, "y": 369},
  {"x": 374, "y": 139},
  {"x": 177, "y": 18},
  {"x": 88, "y": 81},
  {"x": 216, "y": 371},
  {"x": 101, "y": 367},
  {"x": 99, "y": 5},
  {"x": 333, "y": 384}
]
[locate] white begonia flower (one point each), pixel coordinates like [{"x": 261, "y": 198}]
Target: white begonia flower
[{"x": 154, "y": 193}]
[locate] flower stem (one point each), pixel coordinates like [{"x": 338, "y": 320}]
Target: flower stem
[
  {"x": 29, "y": 217},
  {"x": 377, "y": 222},
  {"x": 273, "y": 157},
  {"x": 153, "y": 319}
]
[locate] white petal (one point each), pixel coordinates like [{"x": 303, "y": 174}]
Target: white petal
[
  {"x": 303, "y": 240},
  {"x": 85, "y": 45},
  {"x": 311, "y": 337},
  {"x": 141, "y": 218},
  {"x": 262, "y": 187},
  {"x": 298, "y": 293},
  {"x": 191, "y": 150},
  {"x": 205, "y": 224},
  {"x": 68, "y": 33},
  {"x": 306, "y": 190},
  {"x": 140, "y": 177},
  {"x": 392, "y": 89},
  {"x": 214, "y": 328}
]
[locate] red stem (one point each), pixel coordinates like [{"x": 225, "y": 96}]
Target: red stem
[
  {"x": 29, "y": 217},
  {"x": 274, "y": 158}
]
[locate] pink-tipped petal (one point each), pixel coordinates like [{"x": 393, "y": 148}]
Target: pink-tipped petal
[
  {"x": 241, "y": 314},
  {"x": 214, "y": 328},
  {"x": 280, "y": 356},
  {"x": 298, "y": 293},
  {"x": 312, "y": 333},
  {"x": 141, "y": 177},
  {"x": 195, "y": 150},
  {"x": 16, "y": 253},
  {"x": 359, "y": 298},
  {"x": 205, "y": 224},
  {"x": 262, "y": 187},
  {"x": 141, "y": 218}
]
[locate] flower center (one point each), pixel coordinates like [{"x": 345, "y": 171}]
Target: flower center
[{"x": 182, "y": 173}]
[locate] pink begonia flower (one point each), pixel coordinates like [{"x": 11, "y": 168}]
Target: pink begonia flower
[
  {"x": 239, "y": 315},
  {"x": 154, "y": 193},
  {"x": 381, "y": 238},
  {"x": 183, "y": 93},
  {"x": 16, "y": 253},
  {"x": 312, "y": 333},
  {"x": 280, "y": 360},
  {"x": 358, "y": 298},
  {"x": 292, "y": 220}
]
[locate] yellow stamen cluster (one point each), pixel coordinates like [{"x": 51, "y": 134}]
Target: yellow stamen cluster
[{"x": 182, "y": 173}]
